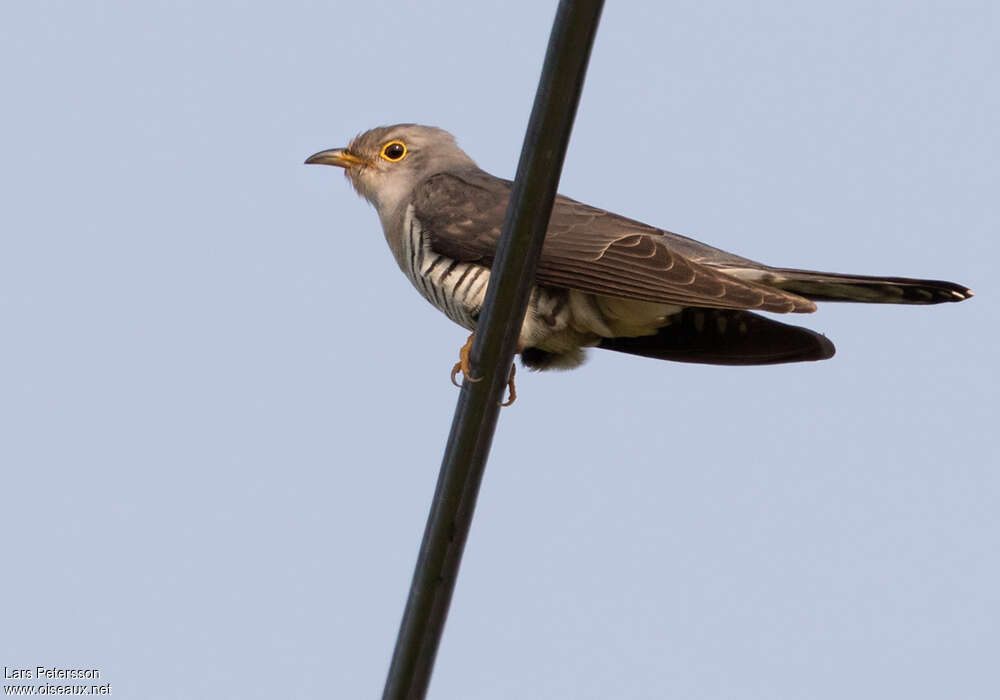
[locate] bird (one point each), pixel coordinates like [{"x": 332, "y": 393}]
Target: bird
[{"x": 603, "y": 280}]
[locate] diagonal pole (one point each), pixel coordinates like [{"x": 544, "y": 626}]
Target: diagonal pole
[{"x": 494, "y": 347}]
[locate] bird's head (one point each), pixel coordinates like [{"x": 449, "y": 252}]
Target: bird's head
[{"x": 387, "y": 162}]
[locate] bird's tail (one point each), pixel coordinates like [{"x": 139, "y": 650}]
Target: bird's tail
[
  {"x": 832, "y": 286},
  {"x": 726, "y": 337}
]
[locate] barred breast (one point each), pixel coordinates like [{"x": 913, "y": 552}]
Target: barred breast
[{"x": 455, "y": 288}]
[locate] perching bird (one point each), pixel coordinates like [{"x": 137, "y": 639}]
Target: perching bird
[{"x": 603, "y": 280}]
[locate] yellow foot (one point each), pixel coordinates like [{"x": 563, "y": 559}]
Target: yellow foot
[
  {"x": 463, "y": 363},
  {"x": 463, "y": 367},
  {"x": 510, "y": 388}
]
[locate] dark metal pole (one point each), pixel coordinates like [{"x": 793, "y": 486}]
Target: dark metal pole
[{"x": 494, "y": 347}]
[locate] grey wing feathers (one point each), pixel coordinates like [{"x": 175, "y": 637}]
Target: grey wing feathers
[
  {"x": 726, "y": 337},
  {"x": 589, "y": 249},
  {"x": 463, "y": 217},
  {"x": 833, "y": 286}
]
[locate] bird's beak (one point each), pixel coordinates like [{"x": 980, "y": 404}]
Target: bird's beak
[{"x": 340, "y": 157}]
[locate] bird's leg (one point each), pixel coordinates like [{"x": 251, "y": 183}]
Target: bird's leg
[
  {"x": 463, "y": 363},
  {"x": 510, "y": 387},
  {"x": 463, "y": 366}
]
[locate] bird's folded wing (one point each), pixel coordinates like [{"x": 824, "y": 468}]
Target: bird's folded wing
[{"x": 585, "y": 248}]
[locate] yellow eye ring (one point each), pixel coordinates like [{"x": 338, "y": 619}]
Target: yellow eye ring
[{"x": 394, "y": 151}]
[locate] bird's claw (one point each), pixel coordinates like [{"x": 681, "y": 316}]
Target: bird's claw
[
  {"x": 512, "y": 393},
  {"x": 463, "y": 364},
  {"x": 464, "y": 368}
]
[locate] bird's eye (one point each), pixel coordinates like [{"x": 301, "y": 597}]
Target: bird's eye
[{"x": 394, "y": 151}]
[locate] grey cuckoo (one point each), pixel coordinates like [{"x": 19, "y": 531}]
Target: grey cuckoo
[{"x": 603, "y": 280}]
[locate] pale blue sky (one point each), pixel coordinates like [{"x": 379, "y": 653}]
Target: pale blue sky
[{"x": 223, "y": 407}]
